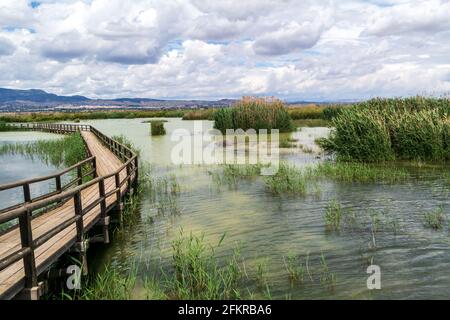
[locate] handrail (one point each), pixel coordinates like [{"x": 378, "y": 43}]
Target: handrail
[
  {"x": 24, "y": 212},
  {"x": 16, "y": 184}
]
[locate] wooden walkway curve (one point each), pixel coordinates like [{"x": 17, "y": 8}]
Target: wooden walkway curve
[{"x": 54, "y": 223}]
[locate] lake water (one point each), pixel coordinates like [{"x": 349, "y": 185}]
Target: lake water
[{"x": 414, "y": 260}]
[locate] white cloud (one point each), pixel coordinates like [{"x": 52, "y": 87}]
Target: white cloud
[{"x": 212, "y": 49}]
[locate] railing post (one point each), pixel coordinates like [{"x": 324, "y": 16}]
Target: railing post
[
  {"x": 94, "y": 167},
  {"x": 79, "y": 176},
  {"x": 104, "y": 219},
  {"x": 29, "y": 263},
  {"x": 81, "y": 245},
  {"x": 26, "y": 193},
  {"x": 58, "y": 183}
]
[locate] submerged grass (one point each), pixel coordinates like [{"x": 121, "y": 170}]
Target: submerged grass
[
  {"x": 288, "y": 180},
  {"x": 292, "y": 180},
  {"x": 333, "y": 215},
  {"x": 358, "y": 172},
  {"x": 435, "y": 219}
]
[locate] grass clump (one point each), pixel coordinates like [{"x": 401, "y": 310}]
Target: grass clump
[
  {"x": 254, "y": 113},
  {"x": 295, "y": 269},
  {"x": 109, "y": 284},
  {"x": 287, "y": 180},
  {"x": 157, "y": 128},
  {"x": 392, "y": 129},
  {"x": 333, "y": 215},
  {"x": 435, "y": 219},
  {"x": 197, "y": 273}
]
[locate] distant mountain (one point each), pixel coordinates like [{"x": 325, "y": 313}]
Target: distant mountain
[
  {"x": 12, "y": 100},
  {"x": 36, "y": 96}
]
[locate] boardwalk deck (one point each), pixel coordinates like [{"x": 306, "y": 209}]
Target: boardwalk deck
[{"x": 12, "y": 278}]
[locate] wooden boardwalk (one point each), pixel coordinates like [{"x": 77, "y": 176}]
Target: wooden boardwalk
[{"x": 28, "y": 249}]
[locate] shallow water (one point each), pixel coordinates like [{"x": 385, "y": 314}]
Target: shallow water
[{"x": 414, "y": 260}]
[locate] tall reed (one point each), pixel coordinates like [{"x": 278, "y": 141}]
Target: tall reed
[
  {"x": 254, "y": 113},
  {"x": 392, "y": 129}
]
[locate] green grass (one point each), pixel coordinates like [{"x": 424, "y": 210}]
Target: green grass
[
  {"x": 109, "y": 284},
  {"x": 295, "y": 181},
  {"x": 358, "y": 172},
  {"x": 435, "y": 219},
  {"x": 197, "y": 274},
  {"x": 63, "y": 152},
  {"x": 333, "y": 215},
  {"x": 288, "y": 180},
  {"x": 295, "y": 269},
  {"x": 157, "y": 128},
  {"x": 381, "y": 130},
  {"x": 231, "y": 174}
]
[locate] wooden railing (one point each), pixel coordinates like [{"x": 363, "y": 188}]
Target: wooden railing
[
  {"x": 125, "y": 178},
  {"x": 60, "y": 186}
]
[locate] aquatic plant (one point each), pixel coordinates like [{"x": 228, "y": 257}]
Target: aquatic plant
[
  {"x": 109, "y": 284},
  {"x": 391, "y": 129},
  {"x": 254, "y": 113},
  {"x": 358, "y": 172},
  {"x": 288, "y": 180},
  {"x": 295, "y": 269},
  {"x": 157, "y": 128},
  {"x": 435, "y": 219},
  {"x": 197, "y": 273},
  {"x": 327, "y": 278},
  {"x": 333, "y": 215}
]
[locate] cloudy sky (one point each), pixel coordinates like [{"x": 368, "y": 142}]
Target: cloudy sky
[{"x": 309, "y": 50}]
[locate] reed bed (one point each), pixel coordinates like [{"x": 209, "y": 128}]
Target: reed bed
[
  {"x": 381, "y": 130},
  {"x": 254, "y": 113},
  {"x": 65, "y": 152},
  {"x": 202, "y": 114}
]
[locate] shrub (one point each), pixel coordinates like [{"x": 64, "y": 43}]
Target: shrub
[{"x": 157, "y": 128}]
